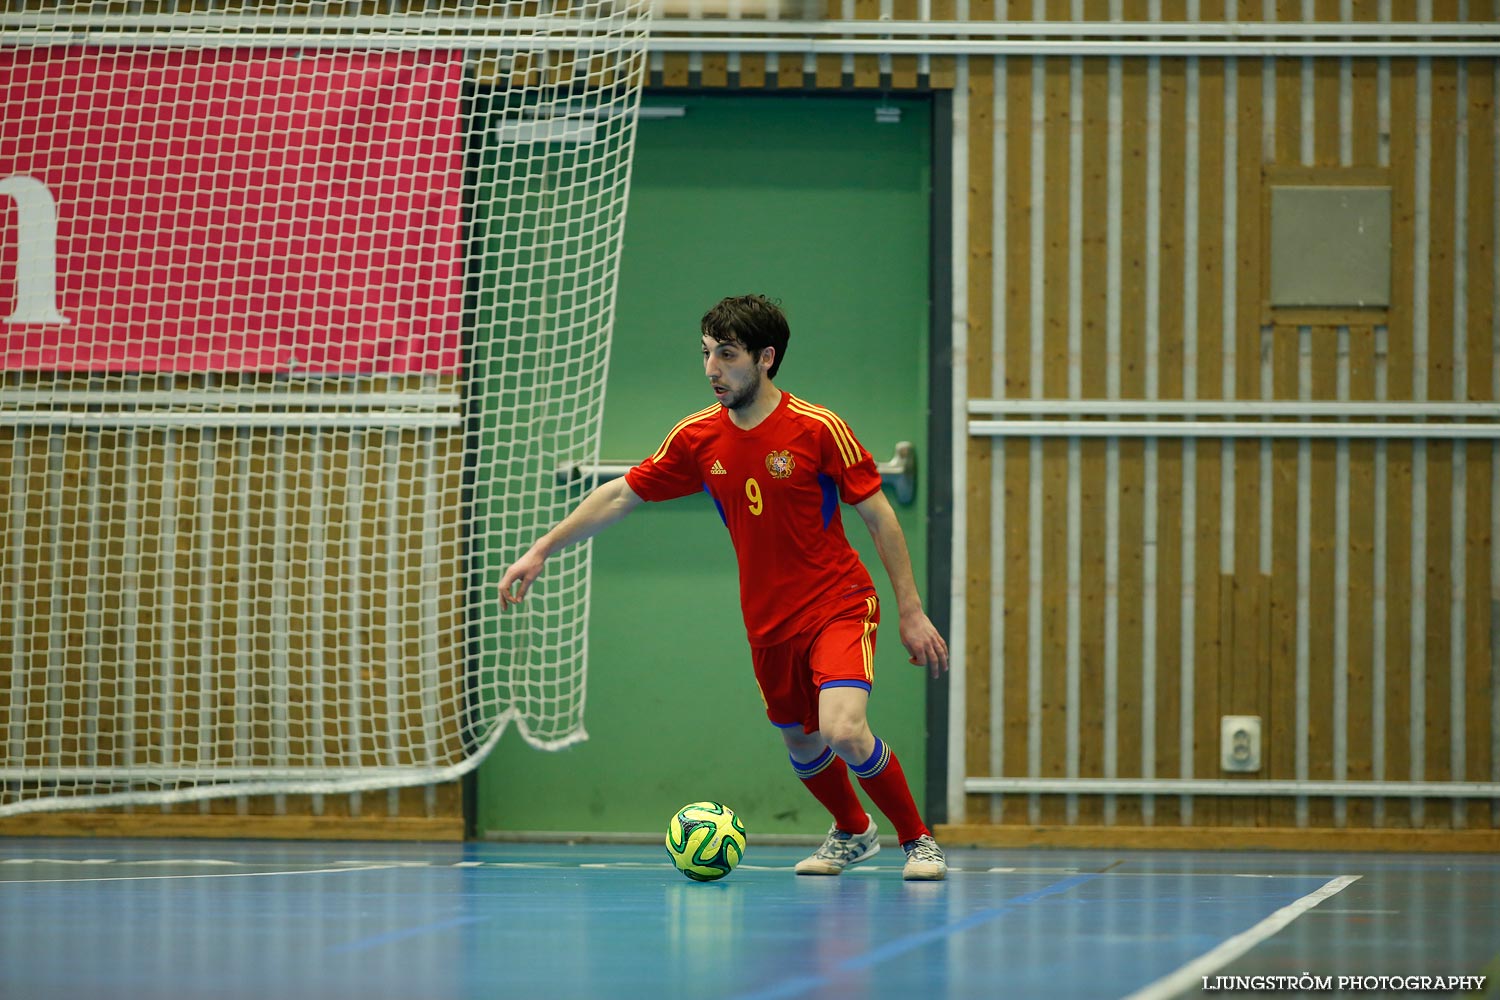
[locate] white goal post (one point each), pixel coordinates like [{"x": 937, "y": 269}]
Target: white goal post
[{"x": 300, "y": 312}]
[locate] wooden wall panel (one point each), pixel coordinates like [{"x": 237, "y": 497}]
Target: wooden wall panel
[
  {"x": 1397, "y": 748},
  {"x": 1172, "y": 336},
  {"x": 1213, "y": 595},
  {"x": 1168, "y": 689},
  {"x": 1245, "y": 685},
  {"x": 1319, "y": 554},
  {"x": 1364, "y": 83},
  {"x": 1478, "y": 630},
  {"x": 1286, "y": 612},
  {"x": 1096, "y": 367},
  {"x": 1360, "y": 554},
  {"x": 1016, "y": 514},
  {"x": 867, "y": 68},
  {"x": 1442, "y": 284},
  {"x": 981, "y": 327},
  {"x": 1131, "y": 364},
  {"x": 1482, "y": 641},
  {"x": 1054, "y": 473},
  {"x": 904, "y": 68}
]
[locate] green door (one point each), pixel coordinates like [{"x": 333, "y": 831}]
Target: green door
[{"x": 814, "y": 202}]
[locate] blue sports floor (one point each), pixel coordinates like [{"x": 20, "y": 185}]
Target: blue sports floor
[{"x": 187, "y": 919}]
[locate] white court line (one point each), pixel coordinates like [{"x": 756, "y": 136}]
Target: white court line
[
  {"x": 157, "y": 878},
  {"x": 116, "y": 861},
  {"x": 1191, "y": 974}
]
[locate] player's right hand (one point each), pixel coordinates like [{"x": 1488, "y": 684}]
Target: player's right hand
[{"x": 520, "y": 576}]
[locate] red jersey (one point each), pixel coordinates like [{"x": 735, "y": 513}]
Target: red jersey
[{"x": 777, "y": 487}]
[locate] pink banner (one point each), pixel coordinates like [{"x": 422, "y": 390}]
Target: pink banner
[{"x": 226, "y": 210}]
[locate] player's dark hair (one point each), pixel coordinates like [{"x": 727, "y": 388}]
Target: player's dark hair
[{"x": 753, "y": 322}]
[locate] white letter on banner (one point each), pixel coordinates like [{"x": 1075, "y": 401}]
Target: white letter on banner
[{"x": 36, "y": 251}]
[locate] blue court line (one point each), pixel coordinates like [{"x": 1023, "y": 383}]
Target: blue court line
[
  {"x": 901, "y": 945},
  {"x": 389, "y": 937}
]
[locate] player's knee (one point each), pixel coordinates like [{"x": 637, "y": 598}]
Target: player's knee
[
  {"x": 850, "y": 738},
  {"x": 803, "y": 746}
]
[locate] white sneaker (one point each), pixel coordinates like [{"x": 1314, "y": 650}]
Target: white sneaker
[
  {"x": 924, "y": 860},
  {"x": 840, "y": 851}
]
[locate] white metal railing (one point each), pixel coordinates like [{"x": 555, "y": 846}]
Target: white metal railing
[
  {"x": 845, "y": 37},
  {"x": 430, "y": 24},
  {"x": 1234, "y": 408},
  {"x": 790, "y": 45},
  {"x": 1212, "y": 786},
  {"x": 209, "y": 771},
  {"x": 146, "y": 418},
  {"x": 1239, "y": 419},
  {"x": 414, "y": 24},
  {"x": 1227, "y": 429},
  {"x": 228, "y": 398}
]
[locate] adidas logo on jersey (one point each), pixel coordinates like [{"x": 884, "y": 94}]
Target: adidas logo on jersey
[{"x": 718, "y": 470}]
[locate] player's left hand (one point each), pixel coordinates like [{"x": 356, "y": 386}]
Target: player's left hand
[
  {"x": 521, "y": 575},
  {"x": 924, "y": 646}
]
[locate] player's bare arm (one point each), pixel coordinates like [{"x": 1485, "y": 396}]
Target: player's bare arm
[
  {"x": 923, "y": 644},
  {"x": 609, "y": 503}
]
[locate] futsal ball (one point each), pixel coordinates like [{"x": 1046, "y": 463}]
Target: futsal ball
[{"x": 706, "y": 840}]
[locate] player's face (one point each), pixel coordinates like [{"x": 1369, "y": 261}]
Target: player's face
[{"x": 732, "y": 372}]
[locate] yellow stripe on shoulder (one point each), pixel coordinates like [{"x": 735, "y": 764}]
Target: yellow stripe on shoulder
[
  {"x": 838, "y": 424},
  {"x": 686, "y": 421},
  {"x": 838, "y": 439},
  {"x": 842, "y": 436}
]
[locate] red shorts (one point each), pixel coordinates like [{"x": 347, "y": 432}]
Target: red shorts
[{"x": 840, "y": 652}]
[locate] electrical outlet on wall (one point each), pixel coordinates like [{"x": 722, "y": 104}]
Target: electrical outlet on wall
[{"x": 1239, "y": 743}]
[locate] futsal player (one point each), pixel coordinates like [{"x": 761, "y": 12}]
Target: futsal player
[{"x": 777, "y": 468}]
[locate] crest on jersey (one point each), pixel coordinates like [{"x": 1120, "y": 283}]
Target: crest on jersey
[{"x": 780, "y": 464}]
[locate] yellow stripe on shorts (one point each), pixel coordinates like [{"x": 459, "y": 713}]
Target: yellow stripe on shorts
[{"x": 866, "y": 645}]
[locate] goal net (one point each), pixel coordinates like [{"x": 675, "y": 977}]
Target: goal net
[{"x": 301, "y": 313}]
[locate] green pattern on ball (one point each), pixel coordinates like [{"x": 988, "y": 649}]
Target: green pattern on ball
[{"x": 705, "y": 840}]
